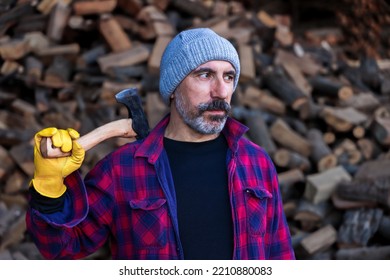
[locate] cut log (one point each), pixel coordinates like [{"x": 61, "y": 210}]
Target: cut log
[
  {"x": 311, "y": 216},
  {"x": 58, "y": 74},
  {"x": 282, "y": 133},
  {"x": 320, "y": 186},
  {"x": 373, "y": 169},
  {"x": 381, "y": 130},
  {"x": 324, "y": 86},
  {"x": 288, "y": 181},
  {"x": 369, "y": 148},
  {"x": 321, "y": 152},
  {"x": 256, "y": 98},
  {"x": 194, "y": 8},
  {"x": 375, "y": 190},
  {"x": 344, "y": 204},
  {"x": 371, "y": 75},
  {"x": 279, "y": 84},
  {"x": 290, "y": 160},
  {"x": 258, "y": 131}
]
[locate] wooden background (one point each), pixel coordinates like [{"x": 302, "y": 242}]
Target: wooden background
[{"x": 314, "y": 91}]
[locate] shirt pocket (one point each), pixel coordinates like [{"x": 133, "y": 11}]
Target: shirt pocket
[
  {"x": 149, "y": 222},
  {"x": 256, "y": 201}
]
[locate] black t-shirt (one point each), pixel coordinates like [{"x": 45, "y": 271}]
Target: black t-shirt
[{"x": 201, "y": 182}]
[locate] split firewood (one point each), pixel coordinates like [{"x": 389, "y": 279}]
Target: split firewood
[
  {"x": 358, "y": 227},
  {"x": 364, "y": 101},
  {"x": 58, "y": 74},
  {"x": 14, "y": 49},
  {"x": 320, "y": 240},
  {"x": 343, "y": 119},
  {"x": 58, "y": 50},
  {"x": 82, "y": 8},
  {"x": 364, "y": 253},
  {"x": 15, "y": 233},
  {"x": 6, "y": 163},
  {"x": 293, "y": 70},
  {"x": 136, "y": 54},
  {"x": 132, "y": 7},
  {"x": 320, "y": 186},
  {"x": 23, "y": 154},
  {"x": 158, "y": 49},
  {"x": 58, "y": 20},
  {"x": 155, "y": 108},
  {"x": 265, "y": 27},
  {"x": 248, "y": 71},
  {"x": 155, "y": 23},
  {"x": 113, "y": 33}
]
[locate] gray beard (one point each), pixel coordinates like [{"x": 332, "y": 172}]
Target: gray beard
[{"x": 197, "y": 121}]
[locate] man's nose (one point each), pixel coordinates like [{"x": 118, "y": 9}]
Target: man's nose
[{"x": 220, "y": 89}]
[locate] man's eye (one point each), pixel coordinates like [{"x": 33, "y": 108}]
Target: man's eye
[
  {"x": 229, "y": 77},
  {"x": 204, "y": 75}
]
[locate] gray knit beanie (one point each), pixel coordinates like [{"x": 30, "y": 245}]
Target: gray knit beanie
[{"x": 187, "y": 51}]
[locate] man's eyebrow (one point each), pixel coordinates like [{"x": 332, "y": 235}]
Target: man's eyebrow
[{"x": 210, "y": 70}]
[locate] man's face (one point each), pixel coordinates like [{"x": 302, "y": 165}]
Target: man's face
[{"x": 203, "y": 98}]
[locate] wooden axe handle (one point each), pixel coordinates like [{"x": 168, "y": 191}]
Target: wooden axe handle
[{"x": 118, "y": 128}]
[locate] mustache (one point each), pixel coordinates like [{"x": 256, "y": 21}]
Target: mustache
[{"x": 215, "y": 105}]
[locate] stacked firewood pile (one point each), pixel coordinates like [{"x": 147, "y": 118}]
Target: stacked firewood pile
[{"x": 318, "y": 106}]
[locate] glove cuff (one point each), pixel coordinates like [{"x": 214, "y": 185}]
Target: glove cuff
[{"x": 52, "y": 187}]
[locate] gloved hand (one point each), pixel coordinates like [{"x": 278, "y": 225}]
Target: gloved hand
[{"x": 49, "y": 173}]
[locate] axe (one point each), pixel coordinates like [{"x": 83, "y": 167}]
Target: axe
[{"x": 135, "y": 124}]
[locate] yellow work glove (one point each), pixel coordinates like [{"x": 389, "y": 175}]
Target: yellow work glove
[{"x": 49, "y": 173}]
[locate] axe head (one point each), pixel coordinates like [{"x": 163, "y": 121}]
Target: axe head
[{"x": 132, "y": 101}]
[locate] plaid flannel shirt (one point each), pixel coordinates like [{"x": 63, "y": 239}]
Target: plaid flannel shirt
[{"x": 128, "y": 199}]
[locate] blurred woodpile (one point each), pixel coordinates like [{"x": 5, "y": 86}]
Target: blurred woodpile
[{"x": 315, "y": 96}]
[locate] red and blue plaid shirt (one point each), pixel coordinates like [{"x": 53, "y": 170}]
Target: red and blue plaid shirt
[{"x": 128, "y": 198}]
